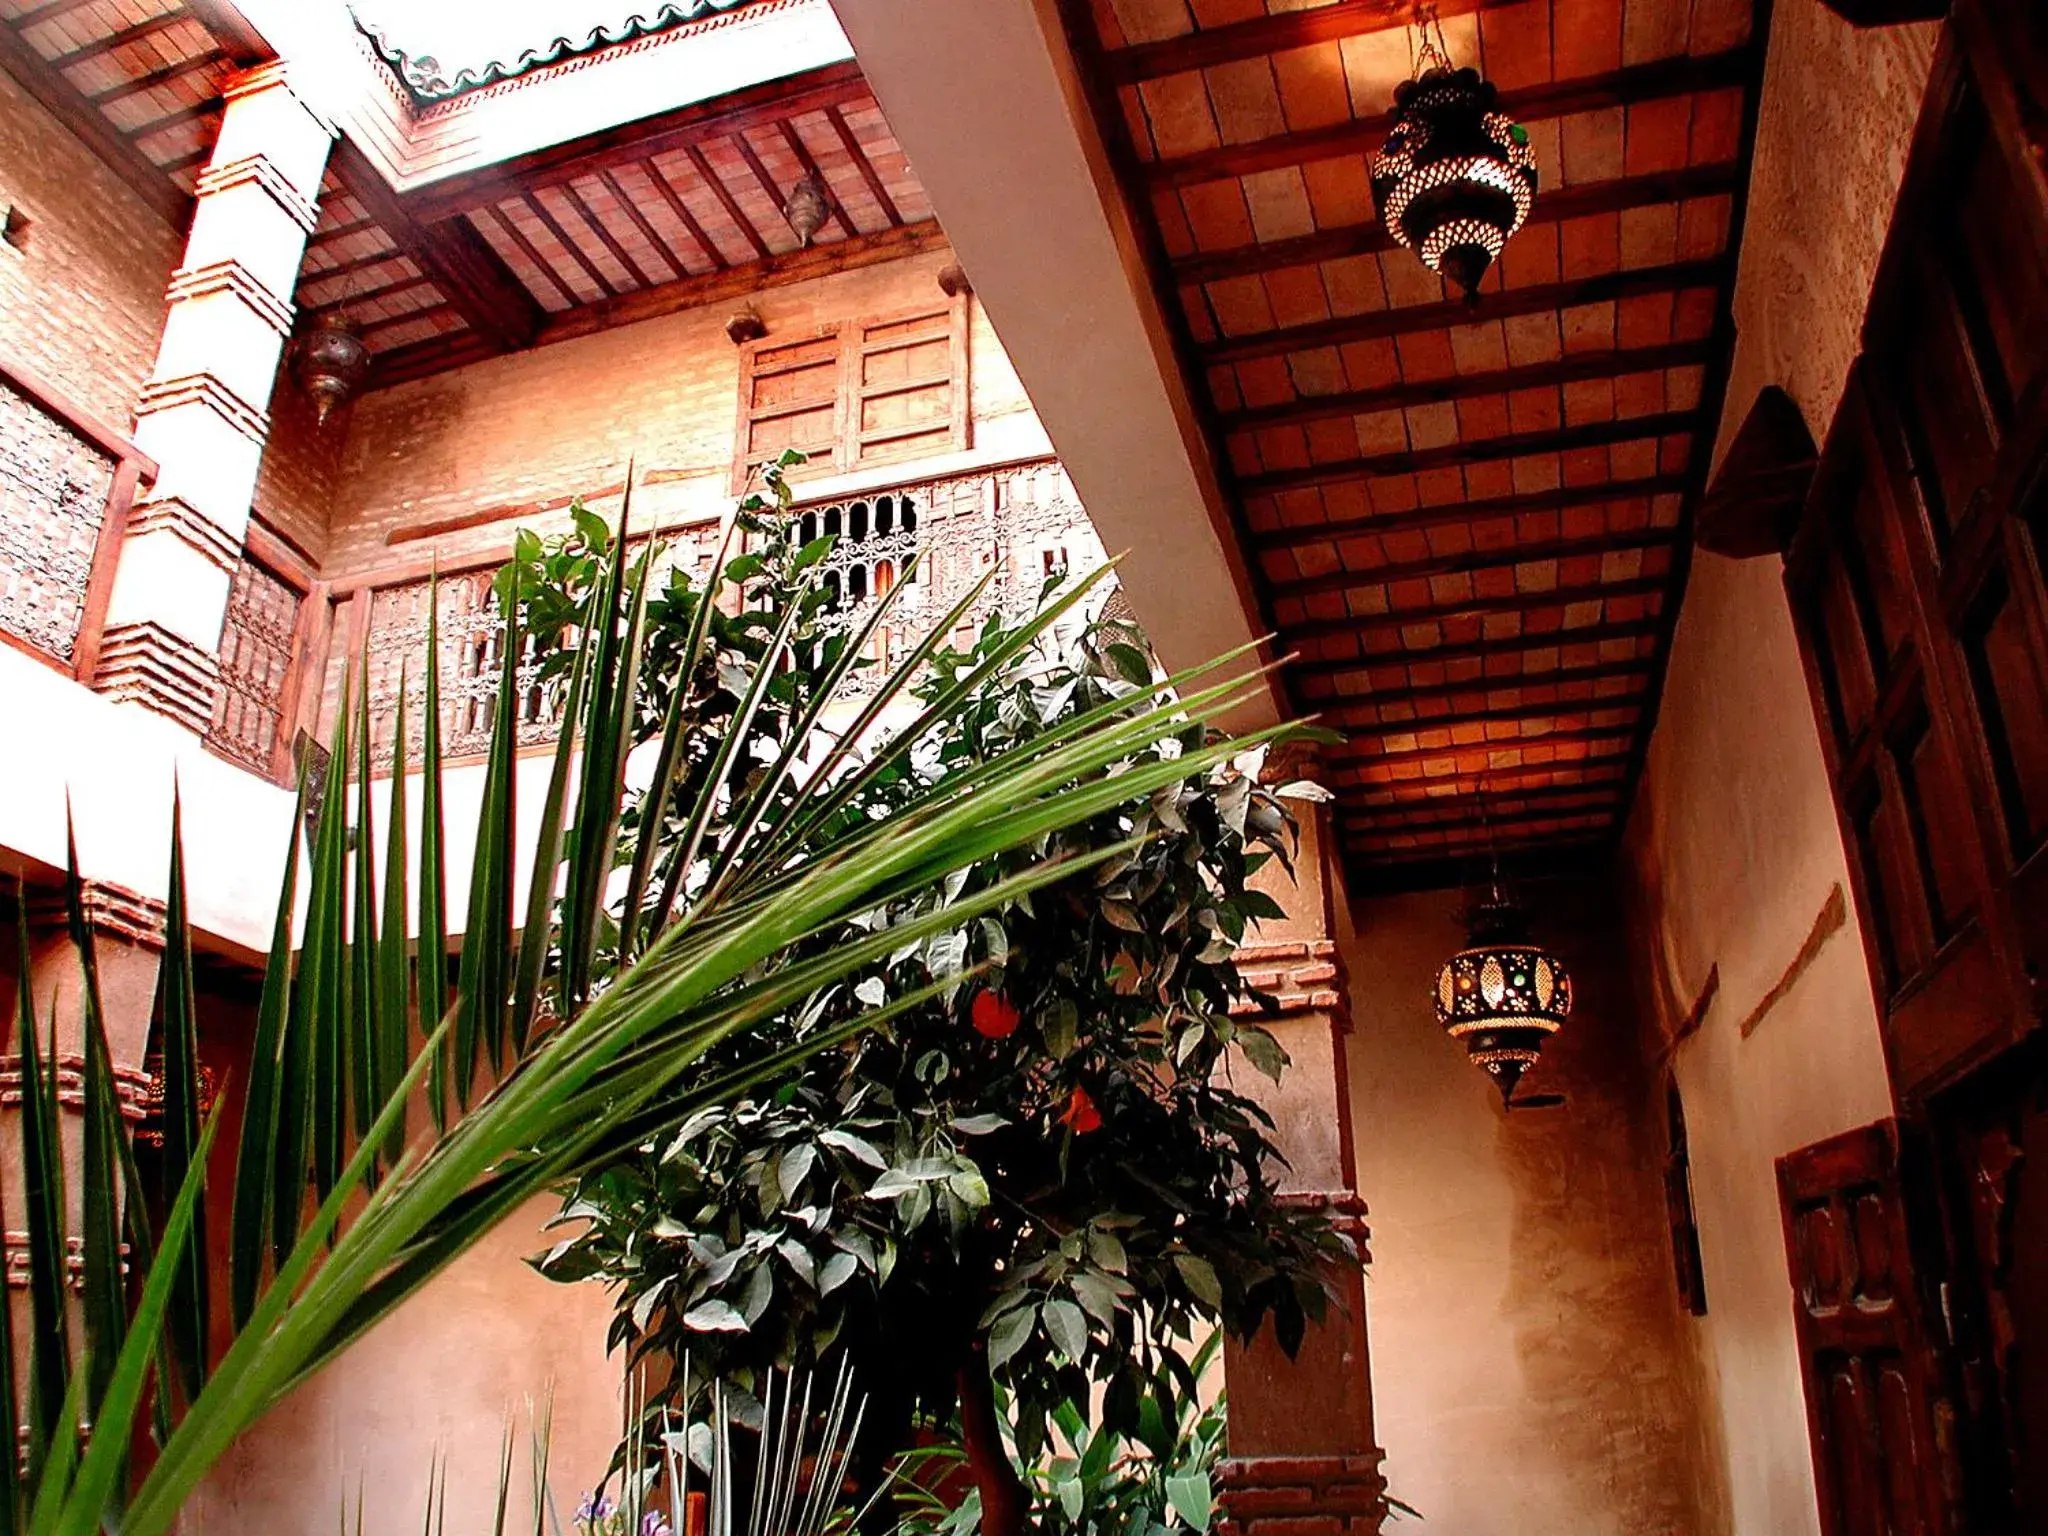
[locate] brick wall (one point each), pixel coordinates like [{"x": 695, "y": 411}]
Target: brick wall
[
  {"x": 538, "y": 425},
  {"x": 301, "y": 467},
  {"x": 82, "y": 302}
]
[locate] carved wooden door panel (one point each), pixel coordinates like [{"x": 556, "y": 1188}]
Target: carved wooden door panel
[{"x": 1877, "y": 1407}]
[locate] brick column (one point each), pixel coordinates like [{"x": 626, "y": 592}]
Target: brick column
[
  {"x": 204, "y": 414},
  {"x": 1302, "y": 1458},
  {"x": 128, "y": 940}
]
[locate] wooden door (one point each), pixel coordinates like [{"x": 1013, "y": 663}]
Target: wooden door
[
  {"x": 1915, "y": 578},
  {"x": 1877, "y": 1404}
]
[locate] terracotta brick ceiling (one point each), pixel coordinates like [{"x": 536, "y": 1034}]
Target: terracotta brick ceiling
[{"x": 1469, "y": 523}]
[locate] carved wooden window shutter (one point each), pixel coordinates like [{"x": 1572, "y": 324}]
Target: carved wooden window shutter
[
  {"x": 877, "y": 390},
  {"x": 1878, "y": 1409}
]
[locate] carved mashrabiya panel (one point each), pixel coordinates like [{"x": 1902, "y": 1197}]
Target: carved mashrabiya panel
[{"x": 53, "y": 495}]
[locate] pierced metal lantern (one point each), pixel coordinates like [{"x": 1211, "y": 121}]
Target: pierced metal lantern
[
  {"x": 807, "y": 208},
  {"x": 333, "y": 363},
  {"x": 1455, "y": 178},
  {"x": 1502, "y": 996}
]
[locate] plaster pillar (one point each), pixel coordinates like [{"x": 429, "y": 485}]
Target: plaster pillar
[
  {"x": 203, "y": 415},
  {"x": 1302, "y": 1459}
]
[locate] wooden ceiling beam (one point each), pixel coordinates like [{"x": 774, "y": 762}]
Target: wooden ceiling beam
[
  {"x": 156, "y": 77},
  {"x": 345, "y": 269},
  {"x": 1377, "y": 873},
  {"x": 737, "y": 283},
  {"x": 431, "y": 355},
  {"x": 536, "y": 206},
  {"x": 638, "y": 220},
  {"x": 1592, "y": 434},
  {"x": 591, "y": 217},
  {"x": 1337, "y": 710},
  {"x": 48, "y": 10},
  {"x": 493, "y": 302},
  {"x": 1353, "y": 755},
  {"x": 114, "y": 42},
  {"x": 1279, "y": 33},
  {"x": 1465, "y": 513},
  {"x": 389, "y": 290},
  {"x": 1454, "y": 789},
  {"x": 1573, "y": 368},
  {"x": 369, "y": 328},
  {"x": 61, "y": 100},
  {"x": 1472, "y": 607},
  {"x": 646, "y": 139},
  {"x": 680, "y": 212},
  {"x": 1587, "y": 199},
  {"x": 835, "y": 210},
  {"x": 178, "y": 119},
  {"x": 1593, "y": 802},
  {"x": 1447, "y": 314},
  {"x": 1480, "y": 650},
  {"x": 1470, "y": 561},
  {"x": 1684, "y": 75},
  {"x": 868, "y": 173},
  {"x": 726, "y": 200},
  {"x": 242, "y": 43},
  {"x": 1380, "y": 730},
  {"x": 1454, "y": 808}
]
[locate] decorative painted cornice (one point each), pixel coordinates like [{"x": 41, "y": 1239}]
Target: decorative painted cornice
[
  {"x": 423, "y": 80},
  {"x": 258, "y": 170},
  {"x": 109, "y": 909},
  {"x": 232, "y": 277},
  {"x": 205, "y": 389},
  {"x": 164, "y": 672},
  {"x": 131, "y": 1086},
  {"x": 177, "y": 517}
]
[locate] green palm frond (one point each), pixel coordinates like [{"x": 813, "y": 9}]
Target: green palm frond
[{"x": 563, "y": 1038}]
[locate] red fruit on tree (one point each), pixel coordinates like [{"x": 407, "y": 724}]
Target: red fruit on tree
[
  {"x": 994, "y": 1016},
  {"x": 1081, "y": 1116}
]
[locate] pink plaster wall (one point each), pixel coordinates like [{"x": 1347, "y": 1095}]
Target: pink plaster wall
[
  {"x": 1528, "y": 1374},
  {"x": 485, "y": 1342},
  {"x": 1733, "y": 845}
]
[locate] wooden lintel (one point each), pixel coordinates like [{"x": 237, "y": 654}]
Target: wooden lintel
[
  {"x": 46, "y": 83},
  {"x": 1482, "y": 650},
  {"x": 1466, "y": 513},
  {"x": 1619, "y": 195},
  {"x": 1472, "y": 607},
  {"x": 467, "y": 271},
  {"x": 1680, "y": 76},
  {"x": 1486, "y": 450},
  {"x": 1446, "y": 314},
  {"x": 1573, "y": 368},
  {"x": 1373, "y": 872},
  {"x": 834, "y": 85},
  {"x": 1468, "y": 561}
]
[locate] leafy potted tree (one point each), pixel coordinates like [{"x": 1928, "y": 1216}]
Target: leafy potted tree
[{"x": 1045, "y": 1178}]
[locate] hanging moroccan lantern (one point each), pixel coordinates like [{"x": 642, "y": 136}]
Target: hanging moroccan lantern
[
  {"x": 1455, "y": 178},
  {"x": 1502, "y": 997},
  {"x": 333, "y": 363},
  {"x": 807, "y": 208}
]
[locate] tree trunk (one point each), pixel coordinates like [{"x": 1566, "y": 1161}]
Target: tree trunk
[{"x": 1005, "y": 1502}]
